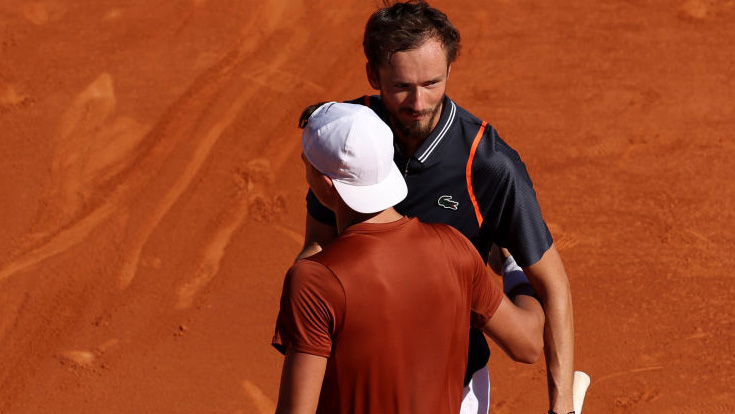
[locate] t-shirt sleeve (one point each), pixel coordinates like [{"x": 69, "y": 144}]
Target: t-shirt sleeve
[
  {"x": 486, "y": 294},
  {"x": 317, "y": 210},
  {"x": 312, "y": 303},
  {"x": 510, "y": 209}
]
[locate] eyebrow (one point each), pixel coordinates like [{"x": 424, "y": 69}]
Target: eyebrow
[{"x": 398, "y": 81}]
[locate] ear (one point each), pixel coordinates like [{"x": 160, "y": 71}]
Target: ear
[
  {"x": 373, "y": 76},
  {"x": 330, "y": 193},
  {"x": 328, "y": 182},
  {"x": 449, "y": 70}
]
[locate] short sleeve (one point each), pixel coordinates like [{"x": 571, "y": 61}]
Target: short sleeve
[
  {"x": 312, "y": 302},
  {"x": 511, "y": 212},
  {"x": 486, "y": 294}
]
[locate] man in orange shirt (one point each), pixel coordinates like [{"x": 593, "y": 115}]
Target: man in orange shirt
[{"x": 377, "y": 321}]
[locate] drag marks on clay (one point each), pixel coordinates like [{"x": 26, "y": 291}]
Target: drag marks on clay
[
  {"x": 251, "y": 200},
  {"x": 272, "y": 18},
  {"x": 227, "y": 223},
  {"x": 112, "y": 14},
  {"x": 627, "y": 373},
  {"x": 104, "y": 163},
  {"x": 213, "y": 103},
  {"x": 607, "y": 139},
  {"x": 201, "y": 116},
  {"x": 701, "y": 10},
  {"x": 266, "y": 72},
  {"x": 619, "y": 143},
  {"x": 287, "y": 82},
  {"x": 215, "y": 109},
  {"x": 85, "y": 359},
  {"x": 257, "y": 177},
  {"x": 43, "y": 12},
  {"x": 720, "y": 405},
  {"x": 93, "y": 146},
  {"x": 563, "y": 240},
  {"x": 81, "y": 358},
  {"x": 11, "y": 99},
  {"x": 59, "y": 242},
  {"x": 262, "y": 402},
  {"x": 626, "y": 403},
  {"x": 13, "y": 306},
  {"x": 701, "y": 238}
]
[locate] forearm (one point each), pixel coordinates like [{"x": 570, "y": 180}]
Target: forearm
[
  {"x": 517, "y": 328},
  {"x": 559, "y": 350},
  {"x": 550, "y": 281},
  {"x": 533, "y": 315},
  {"x": 301, "y": 382}
]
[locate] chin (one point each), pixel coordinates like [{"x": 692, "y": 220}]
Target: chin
[{"x": 419, "y": 131}]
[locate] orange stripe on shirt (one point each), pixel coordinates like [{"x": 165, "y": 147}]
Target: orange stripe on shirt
[{"x": 468, "y": 172}]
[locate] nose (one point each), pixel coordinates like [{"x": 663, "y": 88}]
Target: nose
[{"x": 415, "y": 99}]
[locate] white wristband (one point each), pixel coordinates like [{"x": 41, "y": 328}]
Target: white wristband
[{"x": 512, "y": 275}]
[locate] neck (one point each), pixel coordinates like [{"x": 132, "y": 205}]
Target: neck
[
  {"x": 408, "y": 145},
  {"x": 347, "y": 217}
]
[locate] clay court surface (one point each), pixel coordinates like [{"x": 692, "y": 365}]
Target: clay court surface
[{"x": 153, "y": 195}]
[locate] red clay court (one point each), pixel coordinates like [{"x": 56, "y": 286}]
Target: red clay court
[{"x": 154, "y": 196}]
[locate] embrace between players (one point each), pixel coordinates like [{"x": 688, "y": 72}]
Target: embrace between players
[{"x": 410, "y": 196}]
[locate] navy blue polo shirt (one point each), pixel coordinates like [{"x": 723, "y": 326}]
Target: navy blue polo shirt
[{"x": 466, "y": 176}]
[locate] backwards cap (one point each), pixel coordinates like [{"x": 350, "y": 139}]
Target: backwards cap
[{"x": 351, "y": 145}]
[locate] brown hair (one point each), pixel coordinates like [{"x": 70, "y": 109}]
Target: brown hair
[
  {"x": 405, "y": 26},
  {"x": 306, "y": 113}
]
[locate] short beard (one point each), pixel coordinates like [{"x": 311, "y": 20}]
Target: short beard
[{"x": 416, "y": 131}]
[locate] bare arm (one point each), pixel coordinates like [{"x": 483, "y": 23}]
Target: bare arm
[
  {"x": 517, "y": 327},
  {"x": 301, "y": 383},
  {"x": 549, "y": 280},
  {"x": 318, "y": 235}
]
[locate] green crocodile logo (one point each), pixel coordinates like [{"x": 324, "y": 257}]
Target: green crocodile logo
[{"x": 447, "y": 202}]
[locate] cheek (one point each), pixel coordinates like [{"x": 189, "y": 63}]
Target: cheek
[
  {"x": 307, "y": 171},
  {"x": 393, "y": 94},
  {"x": 309, "y": 176},
  {"x": 435, "y": 95},
  {"x": 306, "y": 175}
]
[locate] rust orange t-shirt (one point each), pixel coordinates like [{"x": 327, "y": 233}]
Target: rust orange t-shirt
[{"x": 389, "y": 305}]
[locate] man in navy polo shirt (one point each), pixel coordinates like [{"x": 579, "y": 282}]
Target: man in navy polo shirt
[{"x": 461, "y": 173}]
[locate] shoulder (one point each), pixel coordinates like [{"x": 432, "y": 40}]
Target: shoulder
[
  {"x": 491, "y": 157},
  {"x": 487, "y": 147},
  {"x": 309, "y": 275},
  {"x": 462, "y": 114},
  {"x": 454, "y": 240},
  {"x": 312, "y": 287},
  {"x": 470, "y": 124},
  {"x": 305, "y": 267}
]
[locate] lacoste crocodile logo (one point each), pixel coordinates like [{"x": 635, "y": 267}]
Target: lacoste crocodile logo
[{"x": 447, "y": 202}]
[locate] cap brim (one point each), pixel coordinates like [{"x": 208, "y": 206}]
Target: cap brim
[{"x": 374, "y": 198}]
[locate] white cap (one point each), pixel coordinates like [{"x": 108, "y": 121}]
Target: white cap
[{"x": 350, "y": 144}]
